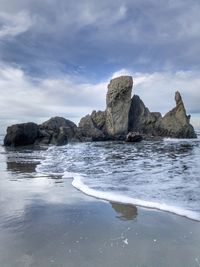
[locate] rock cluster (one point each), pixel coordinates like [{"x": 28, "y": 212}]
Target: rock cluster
[
  {"x": 176, "y": 123},
  {"x": 56, "y": 131},
  {"x": 111, "y": 124},
  {"x": 125, "y": 118}
]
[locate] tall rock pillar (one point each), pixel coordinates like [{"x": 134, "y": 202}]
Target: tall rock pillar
[{"x": 118, "y": 101}]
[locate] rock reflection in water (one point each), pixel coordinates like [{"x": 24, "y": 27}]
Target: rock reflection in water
[
  {"x": 125, "y": 212},
  {"x": 21, "y": 167}
]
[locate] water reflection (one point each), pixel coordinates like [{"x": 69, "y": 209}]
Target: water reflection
[
  {"x": 125, "y": 212},
  {"x": 21, "y": 167}
]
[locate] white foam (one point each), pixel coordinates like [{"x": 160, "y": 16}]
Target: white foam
[
  {"x": 110, "y": 196},
  {"x": 178, "y": 140}
]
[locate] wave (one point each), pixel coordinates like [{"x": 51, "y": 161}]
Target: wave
[{"x": 114, "y": 197}]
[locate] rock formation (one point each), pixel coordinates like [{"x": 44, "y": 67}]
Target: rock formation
[
  {"x": 92, "y": 127},
  {"x": 141, "y": 119},
  {"x": 56, "y": 131},
  {"x": 21, "y": 134},
  {"x": 118, "y": 101},
  {"x": 123, "y": 115},
  {"x": 175, "y": 123}
]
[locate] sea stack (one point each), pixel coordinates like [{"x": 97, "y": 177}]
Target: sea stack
[
  {"x": 125, "y": 118},
  {"x": 176, "y": 123},
  {"x": 118, "y": 102}
]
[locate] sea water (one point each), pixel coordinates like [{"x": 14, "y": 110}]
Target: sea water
[{"x": 162, "y": 175}]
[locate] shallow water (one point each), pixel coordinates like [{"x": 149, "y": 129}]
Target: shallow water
[
  {"x": 156, "y": 174},
  {"x": 46, "y": 222}
]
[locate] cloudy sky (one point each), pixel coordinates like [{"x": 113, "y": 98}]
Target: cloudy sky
[{"x": 56, "y": 57}]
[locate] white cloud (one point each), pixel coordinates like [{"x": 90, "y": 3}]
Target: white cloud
[
  {"x": 24, "y": 98},
  {"x": 157, "y": 89},
  {"x": 14, "y": 24},
  {"x": 27, "y": 99}
]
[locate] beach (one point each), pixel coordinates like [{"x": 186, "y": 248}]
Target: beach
[{"x": 45, "y": 221}]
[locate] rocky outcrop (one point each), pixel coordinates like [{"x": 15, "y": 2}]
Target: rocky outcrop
[
  {"x": 122, "y": 116},
  {"x": 175, "y": 123},
  {"x": 56, "y": 131},
  {"x": 21, "y": 134},
  {"x": 99, "y": 119},
  {"x": 92, "y": 126},
  {"x": 141, "y": 119},
  {"x": 118, "y": 101}
]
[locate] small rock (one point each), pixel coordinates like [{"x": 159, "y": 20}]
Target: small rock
[{"x": 134, "y": 137}]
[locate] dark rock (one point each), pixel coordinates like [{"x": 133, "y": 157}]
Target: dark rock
[
  {"x": 88, "y": 126},
  {"x": 175, "y": 123},
  {"x": 134, "y": 137},
  {"x": 141, "y": 119},
  {"x": 58, "y": 131},
  {"x": 122, "y": 115},
  {"x": 55, "y": 123},
  {"x": 21, "y": 134},
  {"x": 118, "y": 101}
]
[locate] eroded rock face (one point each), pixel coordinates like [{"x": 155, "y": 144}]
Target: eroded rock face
[
  {"x": 122, "y": 115},
  {"x": 176, "y": 123},
  {"x": 141, "y": 119},
  {"x": 118, "y": 102},
  {"x": 92, "y": 126},
  {"x": 21, "y": 134},
  {"x": 99, "y": 119}
]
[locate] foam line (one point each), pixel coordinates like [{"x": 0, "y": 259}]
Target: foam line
[{"x": 110, "y": 196}]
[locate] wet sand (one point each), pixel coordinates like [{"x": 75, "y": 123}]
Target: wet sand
[{"x": 46, "y": 222}]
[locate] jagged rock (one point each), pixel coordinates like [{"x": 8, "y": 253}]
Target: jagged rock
[
  {"x": 21, "y": 134},
  {"x": 88, "y": 127},
  {"x": 141, "y": 119},
  {"x": 99, "y": 119},
  {"x": 133, "y": 137},
  {"x": 176, "y": 123},
  {"x": 122, "y": 115},
  {"x": 118, "y": 101},
  {"x": 61, "y": 137}
]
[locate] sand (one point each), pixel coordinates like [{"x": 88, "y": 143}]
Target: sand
[{"x": 46, "y": 222}]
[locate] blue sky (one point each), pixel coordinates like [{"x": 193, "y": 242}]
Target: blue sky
[{"x": 56, "y": 57}]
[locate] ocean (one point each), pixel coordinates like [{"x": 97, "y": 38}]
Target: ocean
[
  {"x": 162, "y": 175},
  {"x": 135, "y": 215}
]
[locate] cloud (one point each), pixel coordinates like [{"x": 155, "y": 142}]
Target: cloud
[
  {"x": 102, "y": 36},
  {"x": 56, "y": 57},
  {"x": 14, "y": 24},
  {"x": 157, "y": 89},
  {"x": 26, "y": 98}
]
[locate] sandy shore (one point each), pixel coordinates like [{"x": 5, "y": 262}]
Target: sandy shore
[{"x": 46, "y": 222}]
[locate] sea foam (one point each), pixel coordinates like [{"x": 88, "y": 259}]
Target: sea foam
[
  {"x": 161, "y": 175},
  {"x": 113, "y": 197}
]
